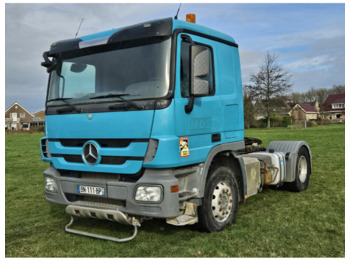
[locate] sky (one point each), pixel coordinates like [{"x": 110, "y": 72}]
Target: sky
[{"x": 309, "y": 39}]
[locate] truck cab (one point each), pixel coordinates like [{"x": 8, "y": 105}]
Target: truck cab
[{"x": 146, "y": 121}]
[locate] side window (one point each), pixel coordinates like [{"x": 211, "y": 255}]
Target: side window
[{"x": 185, "y": 68}]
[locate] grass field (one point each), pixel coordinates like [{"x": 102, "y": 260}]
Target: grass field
[{"x": 275, "y": 223}]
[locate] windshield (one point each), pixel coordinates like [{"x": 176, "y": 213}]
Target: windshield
[{"x": 134, "y": 73}]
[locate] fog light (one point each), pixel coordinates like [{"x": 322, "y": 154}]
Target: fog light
[
  {"x": 51, "y": 185},
  {"x": 148, "y": 194}
]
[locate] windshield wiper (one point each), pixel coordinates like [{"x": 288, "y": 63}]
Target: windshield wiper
[
  {"x": 120, "y": 96},
  {"x": 65, "y": 100},
  {"x": 110, "y": 95}
]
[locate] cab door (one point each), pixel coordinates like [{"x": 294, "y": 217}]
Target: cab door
[{"x": 200, "y": 129}]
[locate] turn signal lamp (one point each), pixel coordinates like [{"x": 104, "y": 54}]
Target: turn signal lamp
[
  {"x": 191, "y": 18},
  {"x": 174, "y": 189}
]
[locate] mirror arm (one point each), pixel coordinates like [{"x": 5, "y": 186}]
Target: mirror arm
[
  {"x": 188, "y": 38},
  {"x": 49, "y": 64},
  {"x": 189, "y": 106}
]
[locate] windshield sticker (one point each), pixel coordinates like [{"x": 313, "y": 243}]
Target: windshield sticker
[{"x": 184, "y": 149}]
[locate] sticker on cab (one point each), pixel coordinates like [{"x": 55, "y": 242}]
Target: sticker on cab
[{"x": 184, "y": 149}]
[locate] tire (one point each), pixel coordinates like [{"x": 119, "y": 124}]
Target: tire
[
  {"x": 302, "y": 171},
  {"x": 220, "y": 202}
]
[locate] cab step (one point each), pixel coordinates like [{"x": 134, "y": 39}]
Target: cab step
[{"x": 189, "y": 217}]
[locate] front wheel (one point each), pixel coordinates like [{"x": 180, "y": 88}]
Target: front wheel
[{"x": 220, "y": 202}]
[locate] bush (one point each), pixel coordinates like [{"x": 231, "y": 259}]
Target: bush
[
  {"x": 276, "y": 121},
  {"x": 323, "y": 122},
  {"x": 41, "y": 129},
  {"x": 311, "y": 123}
]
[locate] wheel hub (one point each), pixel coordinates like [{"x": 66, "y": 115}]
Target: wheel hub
[
  {"x": 302, "y": 169},
  {"x": 221, "y": 203}
]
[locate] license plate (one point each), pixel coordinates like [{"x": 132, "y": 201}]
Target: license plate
[{"x": 91, "y": 190}]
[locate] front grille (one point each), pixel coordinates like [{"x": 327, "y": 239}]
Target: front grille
[
  {"x": 44, "y": 148},
  {"x": 90, "y": 175},
  {"x": 72, "y": 158},
  {"x": 92, "y": 201},
  {"x": 113, "y": 160},
  {"x": 118, "y": 160},
  {"x": 106, "y": 160},
  {"x": 112, "y": 157},
  {"x": 101, "y": 176}
]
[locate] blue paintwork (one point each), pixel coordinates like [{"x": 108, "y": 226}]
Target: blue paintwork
[
  {"x": 117, "y": 125},
  {"x": 133, "y": 124},
  {"x": 201, "y": 29},
  {"x": 220, "y": 114},
  {"x": 176, "y": 25}
]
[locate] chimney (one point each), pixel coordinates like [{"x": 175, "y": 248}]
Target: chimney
[{"x": 317, "y": 108}]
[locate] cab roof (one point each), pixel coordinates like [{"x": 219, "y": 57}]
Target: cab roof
[{"x": 161, "y": 27}]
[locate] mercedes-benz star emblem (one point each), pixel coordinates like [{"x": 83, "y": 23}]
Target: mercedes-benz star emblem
[{"x": 90, "y": 153}]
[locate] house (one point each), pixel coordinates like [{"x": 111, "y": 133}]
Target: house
[
  {"x": 304, "y": 111},
  {"x": 334, "y": 107},
  {"x": 19, "y": 118},
  {"x": 40, "y": 115},
  {"x": 278, "y": 107},
  {"x": 39, "y": 118}
]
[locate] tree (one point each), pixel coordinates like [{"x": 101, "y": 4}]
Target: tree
[
  {"x": 310, "y": 96},
  {"x": 272, "y": 80},
  {"x": 296, "y": 97},
  {"x": 321, "y": 95},
  {"x": 338, "y": 89},
  {"x": 248, "y": 110}
]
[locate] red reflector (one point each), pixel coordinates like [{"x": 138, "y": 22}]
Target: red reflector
[{"x": 174, "y": 189}]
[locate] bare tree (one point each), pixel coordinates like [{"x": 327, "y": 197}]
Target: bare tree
[
  {"x": 310, "y": 96},
  {"x": 272, "y": 80},
  {"x": 248, "y": 111},
  {"x": 321, "y": 95},
  {"x": 338, "y": 89},
  {"x": 296, "y": 97}
]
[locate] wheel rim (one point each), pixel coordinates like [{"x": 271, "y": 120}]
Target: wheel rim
[
  {"x": 221, "y": 203},
  {"x": 302, "y": 169}
]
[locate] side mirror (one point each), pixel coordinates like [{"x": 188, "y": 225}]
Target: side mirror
[{"x": 199, "y": 70}]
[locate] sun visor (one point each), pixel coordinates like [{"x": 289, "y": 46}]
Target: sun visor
[
  {"x": 65, "y": 45},
  {"x": 155, "y": 28},
  {"x": 94, "y": 42},
  {"x": 162, "y": 27}
]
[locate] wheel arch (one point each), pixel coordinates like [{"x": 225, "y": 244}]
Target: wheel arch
[
  {"x": 290, "y": 149},
  {"x": 225, "y": 155}
]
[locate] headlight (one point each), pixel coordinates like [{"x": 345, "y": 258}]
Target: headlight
[
  {"x": 51, "y": 185},
  {"x": 148, "y": 193}
]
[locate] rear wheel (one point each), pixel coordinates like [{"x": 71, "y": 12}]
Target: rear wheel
[
  {"x": 220, "y": 202},
  {"x": 302, "y": 171}
]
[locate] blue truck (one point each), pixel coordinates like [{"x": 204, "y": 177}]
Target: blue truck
[{"x": 147, "y": 121}]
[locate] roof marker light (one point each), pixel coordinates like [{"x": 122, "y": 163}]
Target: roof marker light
[{"x": 191, "y": 18}]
